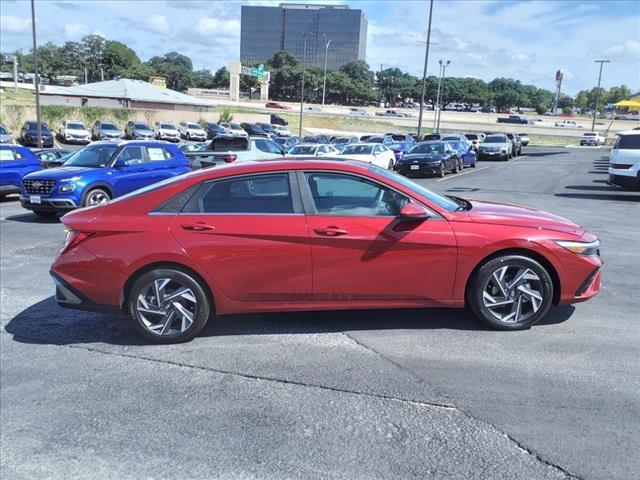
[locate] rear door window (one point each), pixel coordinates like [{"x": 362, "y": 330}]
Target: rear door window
[
  {"x": 224, "y": 144},
  {"x": 132, "y": 155},
  {"x": 256, "y": 194},
  {"x": 628, "y": 142},
  {"x": 158, "y": 154}
]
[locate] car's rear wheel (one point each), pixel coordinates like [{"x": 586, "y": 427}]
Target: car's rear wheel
[
  {"x": 511, "y": 292},
  {"x": 456, "y": 166},
  {"x": 169, "y": 305},
  {"x": 94, "y": 197},
  {"x": 45, "y": 213},
  {"x": 390, "y": 166},
  {"x": 442, "y": 171}
]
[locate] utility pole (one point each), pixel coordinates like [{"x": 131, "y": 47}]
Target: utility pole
[
  {"x": 595, "y": 107},
  {"x": 85, "y": 76},
  {"x": 326, "y": 54},
  {"x": 424, "y": 71},
  {"x": 304, "y": 68},
  {"x": 101, "y": 73},
  {"x": 36, "y": 79},
  {"x": 443, "y": 66},
  {"x": 14, "y": 59}
]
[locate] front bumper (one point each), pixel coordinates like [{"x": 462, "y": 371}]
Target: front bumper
[
  {"x": 82, "y": 140},
  {"x": 482, "y": 155},
  {"x": 629, "y": 181},
  {"x": 422, "y": 168},
  {"x": 48, "y": 204}
]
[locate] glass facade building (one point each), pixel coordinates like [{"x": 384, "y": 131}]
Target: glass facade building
[{"x": 265, "y": 30}]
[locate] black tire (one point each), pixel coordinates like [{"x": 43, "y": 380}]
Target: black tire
[
  {"x": 45, "y": 213},
  {"x": 482, "y": 275},
  {"x": 442, "y": 172},
  {"x": 390, "y": 166},
  {"x": 202, "y": 312},
  {"x": 456, "y": 166},
  {"x": 86, "y": 201}
]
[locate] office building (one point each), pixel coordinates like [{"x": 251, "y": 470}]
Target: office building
[{"x": 265, "y": 30}]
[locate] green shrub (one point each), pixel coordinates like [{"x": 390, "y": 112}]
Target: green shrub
[
  {"x": 567, "y": 110},
  {"x": 541, "y": 109},
  {"x": 226, "y": 116},
  {"x": 14, "y": 117},
  {"x": 55, "y": 114},
  {"x": 121, "y": 114},
  {"x": 91, "y": 114}
]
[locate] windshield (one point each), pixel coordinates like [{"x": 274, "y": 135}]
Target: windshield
[
  {"x": 450, "y": 137},
  {"x": 168, "y": 126},
  {"x": 32, "y": 127},
  {"x": 75, "y": 126},
  {"x": 3, "y": 131},
  {"x": 628, "y": 142},
  {"x": 432, "y": 137},
  {"x": 495, "y": 139},
  {"x": 442, "y": 202},
  {"x": 375, "y": 139},
  {"x": 109, "y": 126},
  {"x": 340, "y": 140},
  {"x": 141, "y": 126},
  {"x": 195, "y": 126},
  {"x": 471, "y": 136},
  {"x": 428, "y": 148},
  {"x": 357, "y": 150},
  {"x": 235, "y": 126},
  {"x": 303, "y": 150},
  {"x": 95, "y": 156}
]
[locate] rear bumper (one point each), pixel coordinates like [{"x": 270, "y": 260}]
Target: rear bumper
[
  {"x": 491, "y": 155},
  {"x": 68, "y": 297}
]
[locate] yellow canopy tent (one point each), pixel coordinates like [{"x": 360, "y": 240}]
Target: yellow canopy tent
[{"x": 631, "y": 102}]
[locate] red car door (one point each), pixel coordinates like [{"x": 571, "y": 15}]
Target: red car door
[
  {"x": 250, "y": 235},
  {"x": 362, "y": 251}
]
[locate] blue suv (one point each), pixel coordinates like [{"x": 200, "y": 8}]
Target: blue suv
[
  {"x": 15, "y": 163},
  {"x": 100, "y": 172}
]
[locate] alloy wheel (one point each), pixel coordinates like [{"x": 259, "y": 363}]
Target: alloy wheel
[
  {"x": 97, "y": 197},
  {"x": 167, "y": 307},
  {"x": 513, "y": 294}
]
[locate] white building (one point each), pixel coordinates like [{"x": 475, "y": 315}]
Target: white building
[{"x": 123, "y": 93}]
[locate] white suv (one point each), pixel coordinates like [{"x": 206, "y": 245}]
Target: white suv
[
  {"x": 74, "y": 131},
  {"x": 166, "y": 131},
  {"x": 592, "y": 138},
  {"x": 192, "y": 131},
  {"x": 624, "y": 160}
]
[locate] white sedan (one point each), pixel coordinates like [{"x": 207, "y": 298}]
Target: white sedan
[
  {"x": 374, "y": 153},
  {"x": 313, "y": 150}
]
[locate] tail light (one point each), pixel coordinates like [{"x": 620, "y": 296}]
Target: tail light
[
  {"x": 74, "y": 239},
  {"x": 230, "y": 158},
  {"x": 43, "y": 164}
]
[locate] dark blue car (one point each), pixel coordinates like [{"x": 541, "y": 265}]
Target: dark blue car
[
  {"x": 468, "y": 156},
  {"x": 100, "y": 172},
  {"x": 15, "y": 163}
]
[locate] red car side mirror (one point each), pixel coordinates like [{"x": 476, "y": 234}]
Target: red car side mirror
[{"x": 413, "y": 211}]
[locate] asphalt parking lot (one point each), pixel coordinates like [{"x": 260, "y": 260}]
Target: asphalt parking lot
[{"x": 357, "y": 395}]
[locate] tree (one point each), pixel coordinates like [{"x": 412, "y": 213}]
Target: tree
[
  {"x": 119, "y": 59},
  {"x": 565, "y": 101},
  {"x": 616, "y": 94},
  {"x": 582, "y": 100},
  {"x": 221, "y": 78},
  {"x": 92, "y": 55},
  {"x": 203, "y": 79},
  {"x": 175, "y": 67},
  {"x": 506, "y": 92}
]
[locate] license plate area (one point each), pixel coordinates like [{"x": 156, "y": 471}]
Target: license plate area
[
  {"x": 415, "y": 167},
  {"x": 35, "y": 199}
]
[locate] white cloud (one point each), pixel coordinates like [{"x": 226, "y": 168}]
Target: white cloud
[
  {"x": 220, "y": 28},
  {"x": 157, "y": 24},
  {"x": 628, "y": 50},
  {"x": 12, "y": 25},
  {"x": 76, "y": 30}
]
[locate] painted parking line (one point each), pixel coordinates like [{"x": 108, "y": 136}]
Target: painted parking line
[
  {"x": 463, "y": 173},
  {"x": 518, "y": 158}
]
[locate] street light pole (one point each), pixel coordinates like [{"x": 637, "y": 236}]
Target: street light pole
[
  {"x": 424, "y": 71},
  {"x": 326, "y": 54},
  {"x": 443, "y": 66},
  {"x": 304, "y": 68},
  {"x": 595, "y": 107},
  {"x": 37, "y": 75}
]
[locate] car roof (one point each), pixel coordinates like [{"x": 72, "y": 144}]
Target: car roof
[
  {"x": 629, "y": 132},
  {"x": 120, "y": 143}
]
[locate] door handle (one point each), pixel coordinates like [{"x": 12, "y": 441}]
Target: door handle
[
  {"x": 197, "y": 227},
  {"x": 330, "y": 231}
]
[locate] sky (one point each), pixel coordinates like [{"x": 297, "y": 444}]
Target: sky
[{"x": 526, "y": 40}]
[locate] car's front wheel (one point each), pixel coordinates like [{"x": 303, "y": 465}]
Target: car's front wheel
[
  {"x": 169, "y": 305},
  {"x": 94, "y": 197},
  {"x": 510, "y": 292}
]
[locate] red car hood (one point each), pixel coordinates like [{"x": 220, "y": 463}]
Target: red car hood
[{"x": 515, "y": 215}]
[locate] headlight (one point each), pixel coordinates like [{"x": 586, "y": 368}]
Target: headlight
[
  {"x": 581, "y": 248},
  {"x": 67, "y": 187}
]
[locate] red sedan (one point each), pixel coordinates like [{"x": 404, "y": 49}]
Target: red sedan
[
  {"x": 277, "y": 105},
  {"x": 316, "y": 235}
]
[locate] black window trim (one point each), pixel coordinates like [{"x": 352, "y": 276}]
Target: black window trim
[
  {"x": 309, "y": 204},
  {"x": 296, "y": 201}
]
